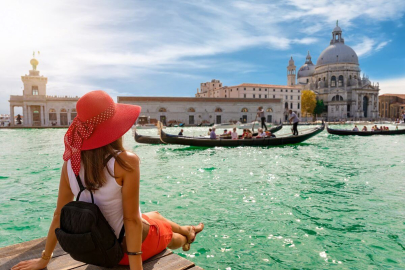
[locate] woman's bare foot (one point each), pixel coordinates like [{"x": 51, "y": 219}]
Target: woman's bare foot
[{"x": 190, "y": 237}]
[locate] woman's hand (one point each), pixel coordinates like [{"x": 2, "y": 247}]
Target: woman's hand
[{"x": 34, "y": 264}]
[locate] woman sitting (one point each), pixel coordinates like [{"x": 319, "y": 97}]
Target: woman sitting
[
  {"x": 364, "y": 128},
  {"x": 244, "y": 134},
  {"x": 249, "y": 134},
  {"x": 260, "y": 133},
  {"x": 94, "y": 155}
]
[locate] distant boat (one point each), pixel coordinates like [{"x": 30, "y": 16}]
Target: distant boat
[{"x": 345, "y": 132}]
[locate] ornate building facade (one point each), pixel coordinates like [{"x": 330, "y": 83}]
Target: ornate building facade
[
  {"x": 337, "y": 81},
  {"x": 39, "y": 109},
  {"x": 391, "y": 106}
]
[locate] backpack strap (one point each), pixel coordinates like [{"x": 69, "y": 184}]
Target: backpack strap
[
  {"x": 82, "y": 188},
  {"x": 122, "y": 234}
]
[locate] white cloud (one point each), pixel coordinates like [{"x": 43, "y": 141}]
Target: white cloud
[
  {"x": 364, "y": 47},
  {"x": 382, "y": 45}
]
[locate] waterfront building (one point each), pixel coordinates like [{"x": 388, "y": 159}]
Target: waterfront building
[
  {"x": 391, "y": 105},
  {"x": 289, "y": 96},
  {"x": 337, "y": 81},
  {"x": 39, "y": 109},
  {"x": 194, "y": 111}
]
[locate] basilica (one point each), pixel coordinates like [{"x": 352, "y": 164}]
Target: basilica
[{"x": 337, "y": 81}]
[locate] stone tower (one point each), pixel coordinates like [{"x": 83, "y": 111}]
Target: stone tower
[
  {"x": 291, "y": 72},
  {"x": 34, "y": 84}
]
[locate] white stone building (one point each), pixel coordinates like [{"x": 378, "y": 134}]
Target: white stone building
[
  {"x": 194, "y": 111},
  {"x": 337, "y": 81},
  {"x": 39, "y": 109},
  {"x": 289, "y": 96}
]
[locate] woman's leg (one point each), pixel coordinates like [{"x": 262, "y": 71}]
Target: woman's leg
[
  {"x": 177, "y": 241},
  {"x": 183, "y": 230}
]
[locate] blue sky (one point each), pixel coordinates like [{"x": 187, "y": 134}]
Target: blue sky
[{"x": 167, "y": 48}]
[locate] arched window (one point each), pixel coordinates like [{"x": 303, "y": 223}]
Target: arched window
[
  {"x": 191, "y": 109},
  {"x": 218, "y": 110},
  {"x": 244, "y": 110},
  {"x": 269, "y": 110},
  {"x": 355, "y": 76},
  {"x": 291, "y": 106},
  {"x": 286, "y": 105},
  {"x": 162, "y": 109},
  {"x": 333, "y": 81},
  {"x": 73, "y": 114},
  {"x": 52, "y": 115},
  {"x": 340, "y": 82},
  {"x": 63, "y": 117},
  {"x": 337, "y": 98}
]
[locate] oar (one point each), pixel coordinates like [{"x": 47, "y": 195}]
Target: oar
[{"x": 253, "y": 126}]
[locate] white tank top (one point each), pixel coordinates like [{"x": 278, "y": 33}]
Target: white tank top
[{"x": 108, "y": 198}]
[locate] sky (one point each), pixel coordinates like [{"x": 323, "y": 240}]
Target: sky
[{"x": 167, "y": 48}]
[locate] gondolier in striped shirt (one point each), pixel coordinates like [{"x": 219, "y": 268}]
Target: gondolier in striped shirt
[{"x": 294, "y": 120}]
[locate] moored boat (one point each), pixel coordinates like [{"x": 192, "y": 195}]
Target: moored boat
[
  {"x": 346, "y": 132},
  {"x": 206, "y": 142}
]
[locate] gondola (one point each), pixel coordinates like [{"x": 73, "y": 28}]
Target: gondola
[
  {"x": 157, "y": 140},
  {"x": 345, "y": 132},
  {"x": 206, "y": 142}
]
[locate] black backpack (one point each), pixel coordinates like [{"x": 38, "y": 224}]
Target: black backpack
[{"x": 85, "y": 234}]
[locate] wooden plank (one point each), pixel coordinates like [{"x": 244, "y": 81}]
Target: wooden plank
[
  {"x": 170, "y": 262},
  {"x": 23, "y": 247},
  {"x": 162, "y": 254},
  {"x": 14, "y": 254}
]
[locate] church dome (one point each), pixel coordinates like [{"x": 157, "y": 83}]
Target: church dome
[
  {"x": 307, "y": 69},
  {"x": 337, "y": 52}
]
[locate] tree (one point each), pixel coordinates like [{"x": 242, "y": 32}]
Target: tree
[
  {"x": 319, "y": 107},
  {"x": 308, "y": 102}
]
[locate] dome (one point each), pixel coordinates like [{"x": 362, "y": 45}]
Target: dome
[
  {"x": 307, "y": 69},
  {"x": 337, "y": 53},
  {"x": 337, "y": 29}
]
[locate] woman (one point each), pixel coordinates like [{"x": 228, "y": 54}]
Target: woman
[
  {"x": 364, "y": 128},
  {"x": 94, "y": 151}
]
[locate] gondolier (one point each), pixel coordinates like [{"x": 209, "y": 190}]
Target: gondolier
[
  {"x": 294, "y": 120},
  {"x": 260, "y": 113}
]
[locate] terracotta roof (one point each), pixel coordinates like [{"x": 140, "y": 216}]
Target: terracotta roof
[
  {"x": 266, "y": 86},
  {"x": 195, "y": 99},
  {"x": 393, "y": 95}
]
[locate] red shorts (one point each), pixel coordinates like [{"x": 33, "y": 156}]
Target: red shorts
[{"x": 159, "y": 236}]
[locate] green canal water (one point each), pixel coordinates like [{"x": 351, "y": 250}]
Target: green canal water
[{"x": 329, "y": 203}]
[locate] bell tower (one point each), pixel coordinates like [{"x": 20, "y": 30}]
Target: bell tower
[{"x": 291, "y": 72}]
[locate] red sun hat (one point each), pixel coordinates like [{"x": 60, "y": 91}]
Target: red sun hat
[{"x": 99, "y": 121}]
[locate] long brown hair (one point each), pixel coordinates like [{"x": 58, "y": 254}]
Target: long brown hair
[{"x": 95, "y": 160}]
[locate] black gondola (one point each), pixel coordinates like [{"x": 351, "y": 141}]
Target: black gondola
[
  {"x": 206, "y": 142},
  {"x": 157, "y": 140},
  {"x": 345, "y": 132}
]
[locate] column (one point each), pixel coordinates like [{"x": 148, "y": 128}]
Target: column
[
  {"x": 42, "y": 115},
  {"x": 58, "y": 118},
  {"x": 29, "y": 116},
  {"x": 25, "y": 113},
  {"x": 11, "y": 115},
  {"x": 69, "y": 115}
]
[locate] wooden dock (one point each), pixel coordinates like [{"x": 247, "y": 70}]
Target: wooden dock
[{"x": 11, "y": 255}]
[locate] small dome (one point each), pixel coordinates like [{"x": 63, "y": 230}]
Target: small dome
[
  {"x": 337, "y": 29},
  {"x": 337, "y": 53},
  {"x": 306, "y": 70}
]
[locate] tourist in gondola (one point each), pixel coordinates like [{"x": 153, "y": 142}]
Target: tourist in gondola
[
  {"x": 249, "y": 134},
  {"x": 209, "y": 132},
  {"x": 294, "y": 120},
  {"x": 269, "y": 134},
  {"x": 260, "y": 114},
  {"x": 260, "y": 133},
  {"x": 244, "y": 133},
  {"x": 181, "y": 132},
  {"x": 212, "y": 134},
  {"x": 97, "y": 165},
  {"x": 364, "y": 128},
  {"x": 234, "y": 134},
  {"x": 355, "y": 128}
]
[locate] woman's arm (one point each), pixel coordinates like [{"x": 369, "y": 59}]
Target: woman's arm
[
  {"x": 130, "y": 204},
  {"x": 65, "y": 196}
]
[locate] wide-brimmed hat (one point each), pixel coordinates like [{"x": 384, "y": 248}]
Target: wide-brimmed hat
[{"x": 99, "y": 121}]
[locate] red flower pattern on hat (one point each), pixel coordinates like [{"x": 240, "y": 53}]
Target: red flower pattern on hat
[{"x": 78, "y": 132}]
